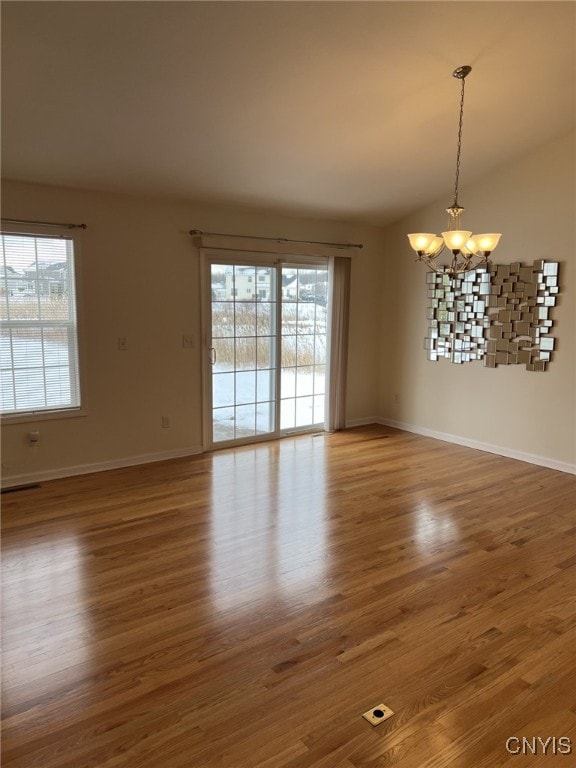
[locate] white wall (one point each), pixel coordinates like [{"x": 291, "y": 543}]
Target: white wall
[
  {"x": 141, "y": 280},
  {"x": 532, "y": 202}
]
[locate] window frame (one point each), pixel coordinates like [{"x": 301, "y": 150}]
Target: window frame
[{"x": 73, "y": 234}]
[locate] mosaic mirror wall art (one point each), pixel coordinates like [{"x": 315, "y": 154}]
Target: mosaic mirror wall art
[{"x": 500, "y": 314}]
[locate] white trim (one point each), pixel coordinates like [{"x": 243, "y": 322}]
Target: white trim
[
  {"x": 209, "y": 256},
  {"x": 87, "y": 469},
  {"x": 509, "y": 453},
  {"x": 363, "y": 422},
  {"x": 261, "y": 258},
  {"x": 23, "y": 418},
  {"x": 74, "y": 235},
  {"x": 149, "y": 458}
]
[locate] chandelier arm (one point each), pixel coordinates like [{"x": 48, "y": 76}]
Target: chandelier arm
[
  {"x": 439, "y": 269},
  {"x": 456, "y": 267},
  {"x": 429, "y": 261}
]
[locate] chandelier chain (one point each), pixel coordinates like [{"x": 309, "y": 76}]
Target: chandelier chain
[
  {"x": 459, "y": 144},
  {"x": 468, "y": 251}
]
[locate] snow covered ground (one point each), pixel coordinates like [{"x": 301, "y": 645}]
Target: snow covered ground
[
  {"x": 40, "y": 375},
  {"x": 243, "y": 402}
]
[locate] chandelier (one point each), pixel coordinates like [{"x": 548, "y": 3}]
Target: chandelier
[{"x": 468, "y": 251}]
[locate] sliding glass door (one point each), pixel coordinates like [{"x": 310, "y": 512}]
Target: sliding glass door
[
  {"x": 266, "y": 349},
  {"x": 243, "y": 351},
  {"x": 303, "y": 347}
]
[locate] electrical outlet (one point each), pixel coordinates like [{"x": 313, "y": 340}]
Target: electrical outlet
[
  {"x": 378, "y": 714},
  {"x": 122, "y": 343},
  {"x": 165, "y": 422},
  {"x": 397, "y": 398},
  {"x": 33, "y": 438}
]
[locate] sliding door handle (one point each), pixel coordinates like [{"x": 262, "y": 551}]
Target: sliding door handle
[{"x": 212, "y": 351}]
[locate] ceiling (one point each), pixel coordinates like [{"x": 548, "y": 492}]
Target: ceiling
[{"x": 343, "y": 110}]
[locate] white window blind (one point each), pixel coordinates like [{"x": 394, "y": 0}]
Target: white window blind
[{"x": 39, "y": 365}]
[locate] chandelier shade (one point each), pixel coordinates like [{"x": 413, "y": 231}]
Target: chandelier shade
[
  {"x": 456, "y": 239},
  {"x": 468, "y": 251}
]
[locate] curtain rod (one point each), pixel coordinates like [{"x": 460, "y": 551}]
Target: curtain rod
[
  {"x": 278, "y": 239},
  {"x": 46, "y": 223}
]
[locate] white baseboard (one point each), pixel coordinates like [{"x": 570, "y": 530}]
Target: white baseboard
[
  {"x": 148, "y": 458},
  {"x": 510, "y": 453},
  {"x": 86, "y": 469},
  {"x": 363, "y": 422}
]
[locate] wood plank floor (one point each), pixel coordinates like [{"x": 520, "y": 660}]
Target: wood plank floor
[{"x": 242, "y": 609}]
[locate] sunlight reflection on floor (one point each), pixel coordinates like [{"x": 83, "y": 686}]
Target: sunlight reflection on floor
[
  {"x": 432, "y": 529},
  {"x": 284, "y": 532},
  {"x": 43, "y": 581}
]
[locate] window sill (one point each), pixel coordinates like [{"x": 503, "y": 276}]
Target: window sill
[{"x": 23, "y": 418}]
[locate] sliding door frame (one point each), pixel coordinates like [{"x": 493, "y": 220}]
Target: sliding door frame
[{"x": 208, "y": 257}]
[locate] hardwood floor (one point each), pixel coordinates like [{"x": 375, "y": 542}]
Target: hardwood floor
[{"x": 242, "y": 609}]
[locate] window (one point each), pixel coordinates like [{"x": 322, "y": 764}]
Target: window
[{"x": 39, "y": 367}]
